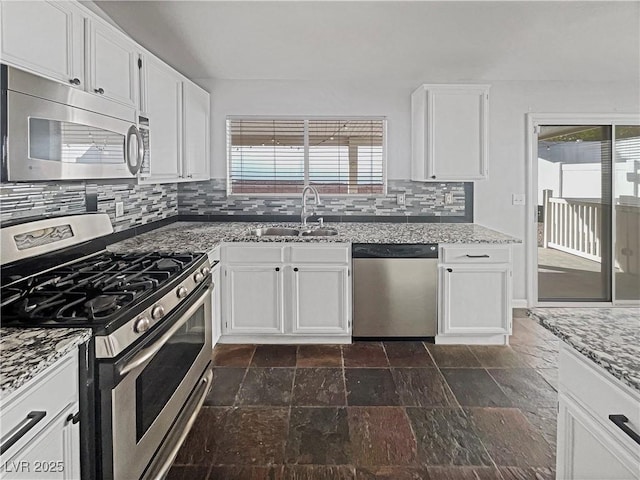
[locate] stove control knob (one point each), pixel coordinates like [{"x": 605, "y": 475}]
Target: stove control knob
[
  {"x": 198, "y": 277},
  {"x": 205, "y": 271},
  {"x": 141, "y": 325},
  {"x": 182, "y": 292},
  {"x": 157, "y": 312}
]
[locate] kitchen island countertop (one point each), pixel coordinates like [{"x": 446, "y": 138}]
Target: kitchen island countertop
[
  {"x": 610, "y": 337},
  {"x": 205, "y": 236},
  {"x": 25, "y": 352}
]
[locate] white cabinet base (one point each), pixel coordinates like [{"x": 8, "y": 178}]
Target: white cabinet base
[
  {"x": 285, "y": 339},
  {"x": 472, "y": 340}
]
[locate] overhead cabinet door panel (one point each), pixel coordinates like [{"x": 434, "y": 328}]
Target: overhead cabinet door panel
[{"x": 46, "y": 38}]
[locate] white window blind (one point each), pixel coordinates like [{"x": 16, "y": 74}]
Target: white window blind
[{"x": 277, "y": 156}]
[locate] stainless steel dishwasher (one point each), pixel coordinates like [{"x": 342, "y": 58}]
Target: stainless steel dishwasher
[{"x": 395, "y": 290}]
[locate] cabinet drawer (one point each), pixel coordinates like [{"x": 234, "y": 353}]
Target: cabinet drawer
[
  {"x": 319, "y": 254},
  {"x": 600, "y": 395},
  {"x": 475, "y": 254},
  {"x": 252, "y": 254},
  {"x": 50, "y": 392}
]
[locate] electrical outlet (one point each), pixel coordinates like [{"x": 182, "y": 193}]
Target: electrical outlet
[
  {"x": 119, "y": 209},
  {"x": 400, "y": 198},
  {"x": 518, "y": 199},
  {"x": 448, "y": 198}
]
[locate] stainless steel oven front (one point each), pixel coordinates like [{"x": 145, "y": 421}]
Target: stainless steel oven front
[
  {"x": 57, "y": 132},
  {"x": 149, "y": 397}
]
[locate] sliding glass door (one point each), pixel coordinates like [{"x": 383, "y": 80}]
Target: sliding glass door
[
  {"x": 627, "y": 213},
  {"x": 588, "y": 201}
]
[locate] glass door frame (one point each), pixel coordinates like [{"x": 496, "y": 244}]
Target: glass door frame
[{"x": 533, "y": 123}]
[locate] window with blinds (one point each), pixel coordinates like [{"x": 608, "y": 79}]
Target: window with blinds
[{"x": 281, "y": 156}]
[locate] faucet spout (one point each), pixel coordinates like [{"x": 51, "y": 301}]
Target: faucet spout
[{"x": 316, "y": 198}]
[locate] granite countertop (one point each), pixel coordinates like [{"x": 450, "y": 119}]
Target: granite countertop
[
  {"x": 24, "y": 353},
  {"x": 609, "y": 337},
  {"x": 204, "y": 236}
]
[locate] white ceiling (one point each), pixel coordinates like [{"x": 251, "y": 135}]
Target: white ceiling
[{"x": 382, "y": 41}]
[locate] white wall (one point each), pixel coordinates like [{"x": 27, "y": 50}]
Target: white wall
[{"x": 509, "y": 102}]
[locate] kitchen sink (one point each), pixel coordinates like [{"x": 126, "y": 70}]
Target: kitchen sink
[
  {"x": 319, "y": 232},
  {"x": 292, "y": 232},
  {"x": 275, "y": 231}
]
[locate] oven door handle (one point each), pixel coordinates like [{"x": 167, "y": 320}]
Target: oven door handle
[{"x": 148, "y": 353}]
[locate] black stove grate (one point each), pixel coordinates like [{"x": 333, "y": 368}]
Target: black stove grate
[{"x": 92, "y": 291}]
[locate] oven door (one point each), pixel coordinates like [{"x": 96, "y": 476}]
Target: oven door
[
  {"x": 53, "y": 141},
  {"x": 152, "y": 386}
]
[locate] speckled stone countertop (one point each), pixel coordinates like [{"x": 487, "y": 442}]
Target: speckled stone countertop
[
  {"x": 204, "y": 236},
  {"x": 25, "y": 352},
  {"x": 608, "y": 336}
]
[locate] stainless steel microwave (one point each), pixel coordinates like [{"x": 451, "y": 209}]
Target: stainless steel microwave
[{"x": 52, "y": 131}]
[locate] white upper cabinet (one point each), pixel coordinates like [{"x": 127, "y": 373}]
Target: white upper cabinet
[
  {"x": 195, "y": 132},
  {"x": 178, "y": 112},
  {"x": 113, "y": 64},
  {"x": 449, "y": 139},
  {"x": 46, "y": 38},
  {"x": 162, "y": 87}
]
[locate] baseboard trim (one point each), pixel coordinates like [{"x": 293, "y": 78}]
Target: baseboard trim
[
  {"x": 285, "y": 339},
  {"x": 472, "y": 340},
  {"x": 519, "y": 303}
]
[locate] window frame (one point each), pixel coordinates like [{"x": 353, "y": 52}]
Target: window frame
[{"x": 381, "y": 118}]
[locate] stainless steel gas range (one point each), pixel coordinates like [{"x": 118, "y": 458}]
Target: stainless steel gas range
[{"x": 146, "y": 371}]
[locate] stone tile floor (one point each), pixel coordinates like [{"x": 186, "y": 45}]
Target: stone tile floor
[{"x": 379, "y": 410}]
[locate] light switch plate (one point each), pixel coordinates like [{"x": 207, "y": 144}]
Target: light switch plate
[
  {"x": 518, "y": 199},
  {"x": 119, "y": 209},
  {"x": 400, "y": 198},
  {"x": 448, "y": 198}
]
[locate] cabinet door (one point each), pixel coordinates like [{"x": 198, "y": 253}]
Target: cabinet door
[
  {"x": 163, "y": 104},
  {"x": 53, "y": 454},
  {"x": 474, "y": 299},
  {"x": 586, "y": 451},
  {"x": 113, "y": 64},
  {"x": 195, "y": 132},
  {"x": 46, "y": 38},
  {"x": 254, "y": 299},
  {"x": 449, "y": 132},
  {"x": 320, "y": 299}
]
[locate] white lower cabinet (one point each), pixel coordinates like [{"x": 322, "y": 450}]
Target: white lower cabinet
[
  {"x": 590, "y": 445},
  {"x": 319, "y": 299},
  {"x": 474, "y": 292},
  {"x": 254, "y": 299},
  {"x": 48, "y": 405},
  {"x": 304, "y": 296}
]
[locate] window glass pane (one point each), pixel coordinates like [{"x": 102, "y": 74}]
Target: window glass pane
[
  {"x": 574, "y": 204},
  {"x": 268, "y": 156},
  {"x": 627, "y": 205}
]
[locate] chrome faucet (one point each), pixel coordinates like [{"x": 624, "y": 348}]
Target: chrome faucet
[{"x": 304, "y": 215}]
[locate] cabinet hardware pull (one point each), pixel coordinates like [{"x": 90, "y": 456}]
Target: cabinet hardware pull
[
  {"x": 99, "y": 90},
  {"x": 295, "y": 269},
  {"x": 277, "y": 269},
  {"x": 478, "y": 256},
  {"x": 620, "y": 422},
  {"x": 433, "y": 176},
  {"x": 449, "y": 270},
  {"x": 32, "y": 419},
  {"x": 73, "y": 418},
  {"x": 74, "y": 81}
]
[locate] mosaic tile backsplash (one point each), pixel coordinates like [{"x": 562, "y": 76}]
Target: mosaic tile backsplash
[
  {"x": 421, "y": 199},
  {"x": 147, "y": 203},
  {"x": 142, "y": 203}
]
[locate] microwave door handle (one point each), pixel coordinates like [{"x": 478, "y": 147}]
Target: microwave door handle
[
  {"x": 148, "y": 353},
  {"x": 134, "y": 167}
]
